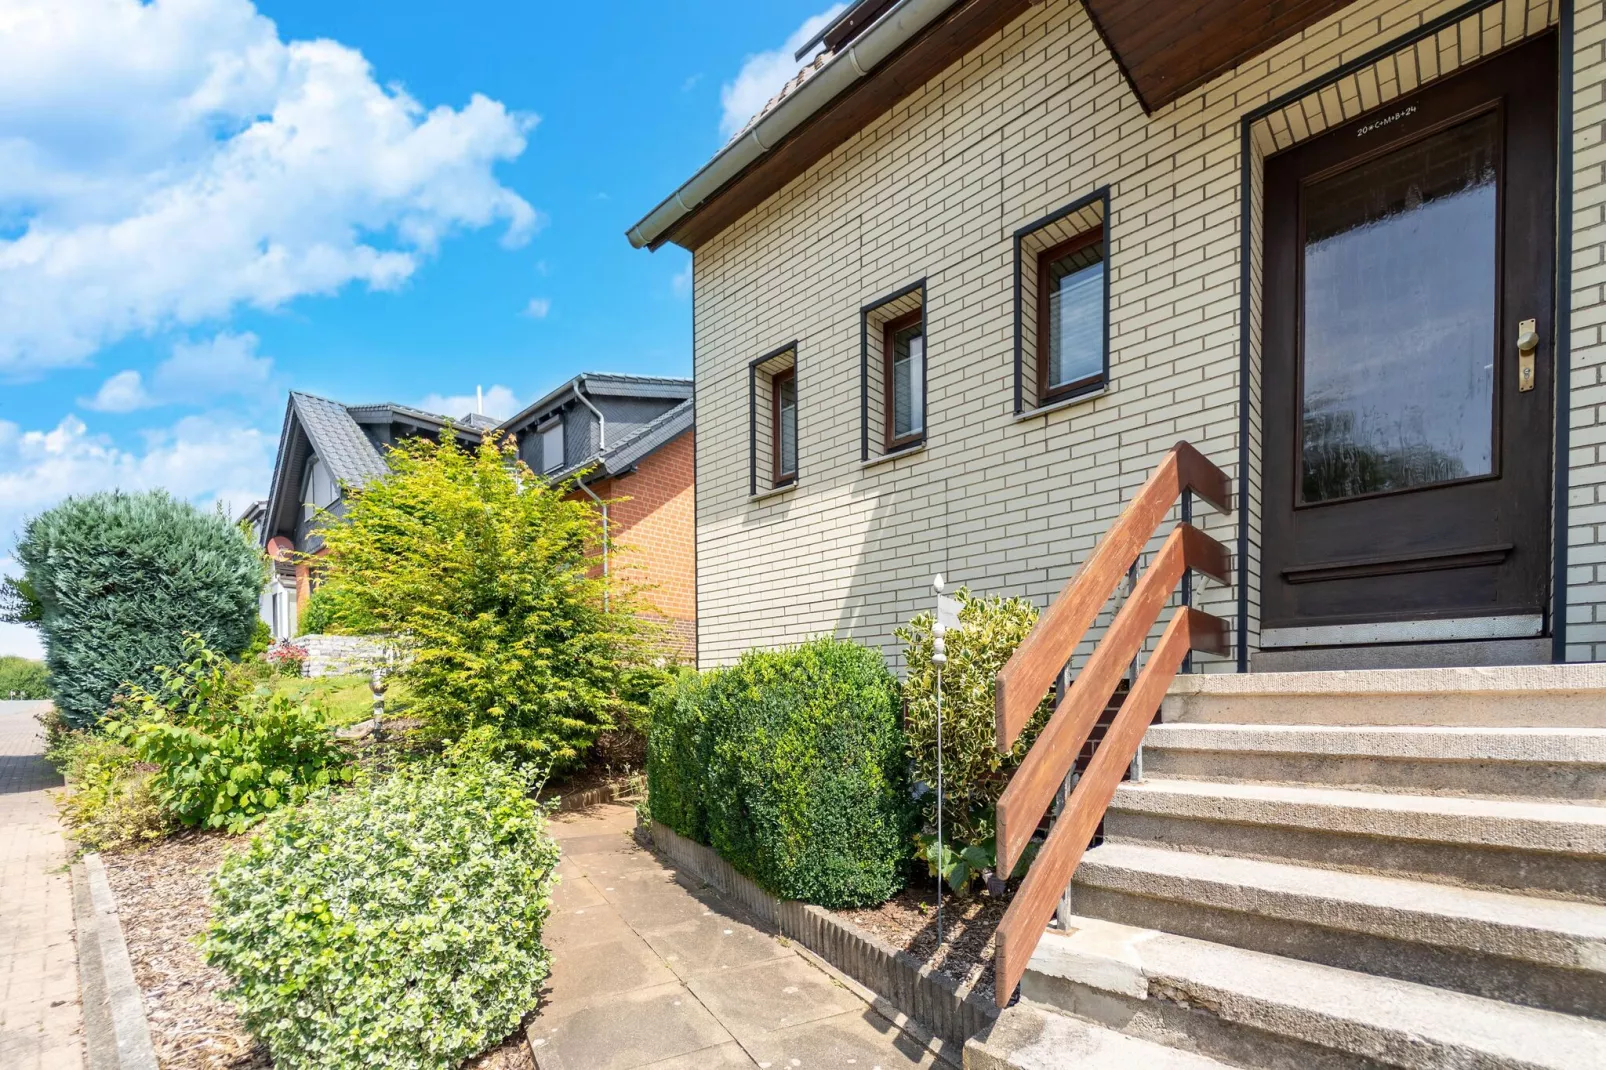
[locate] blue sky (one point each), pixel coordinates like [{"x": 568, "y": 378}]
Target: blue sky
[{"x": 373, "y": 202}]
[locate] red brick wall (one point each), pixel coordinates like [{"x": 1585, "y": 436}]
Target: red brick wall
[{"x": 654, "y": 528}]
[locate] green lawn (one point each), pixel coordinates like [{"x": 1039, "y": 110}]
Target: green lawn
[{"x": 347, "y": 698}]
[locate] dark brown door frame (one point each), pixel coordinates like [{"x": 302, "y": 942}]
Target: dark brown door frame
[{"x": 1562, "y": 313}]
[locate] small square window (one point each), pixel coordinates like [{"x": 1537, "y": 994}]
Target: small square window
[
  {"x": 894, "y": 372},
  {"x": 784, "y": 397},
  {"x": 904, "y": 349},
  {"x": 1062, "y": 327},
  {"x": 772, "y": 420},
  {"x": 1070, "y": 316},
  {"x": 552, "y": 447}
]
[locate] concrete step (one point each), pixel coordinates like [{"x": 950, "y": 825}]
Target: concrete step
[
  {"x": 1251, "y": 1009},
  {"x": 1030, "y": 1036},
  {"x": 1544, "y": 953},
  {"x": 1547, "y": 763},
  {"x": 1538, "y": 696},
  {"x": 1544, "y": 848}
]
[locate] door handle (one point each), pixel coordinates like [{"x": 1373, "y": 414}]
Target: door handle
[{"x": 1527, "y": 345}]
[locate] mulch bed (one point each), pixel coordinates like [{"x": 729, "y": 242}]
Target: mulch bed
[
  {"x": 162, "y": 903},
  {"x": 908, "y": 921}
]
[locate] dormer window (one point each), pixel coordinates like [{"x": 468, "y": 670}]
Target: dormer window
[{"x": 551, "y": 445}]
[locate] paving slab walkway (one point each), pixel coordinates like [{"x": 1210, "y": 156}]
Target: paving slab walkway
[
  {"x": 41, "y": 1024},
  {"x": 650, "y": 972}
]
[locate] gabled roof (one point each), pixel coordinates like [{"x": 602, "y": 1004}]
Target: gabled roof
[
  {"x": 611, "y": 384},
  {"x": 336, "y": 437},
  {"x": 335, "y": 433},
  {"x": 623, "y": 455}
]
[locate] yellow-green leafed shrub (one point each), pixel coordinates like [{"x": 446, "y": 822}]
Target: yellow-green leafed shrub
[
  {"x": 793, "y": 765},
  {"x": 974, "y": 772},
  {"x": 109, "y": 803},
  {"x": 397, "y": 925}
]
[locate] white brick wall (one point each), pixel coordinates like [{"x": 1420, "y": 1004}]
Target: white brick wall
[
  {"x": 1036, "y": 118},
  {"x": 1586, "y": 536}
]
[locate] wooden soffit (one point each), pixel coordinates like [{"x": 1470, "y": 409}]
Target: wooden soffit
[
  {"x": 949, "y": 39},
  {"x": 1167, "y": 49}
]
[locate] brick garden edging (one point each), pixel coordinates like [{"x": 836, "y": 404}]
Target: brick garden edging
[{"x": 898, "y": 986}]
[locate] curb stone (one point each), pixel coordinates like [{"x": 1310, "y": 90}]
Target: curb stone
[
  {"x": 918, "y": 999},
  {"x": 116, "y": 1034}
]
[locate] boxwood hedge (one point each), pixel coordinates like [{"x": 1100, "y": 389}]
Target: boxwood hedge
[{"x": 791, "y": 764}]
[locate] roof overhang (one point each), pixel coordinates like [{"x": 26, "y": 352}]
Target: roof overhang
[
  {"x": 1167, "y": 50},
  {"x": 1163, "y": 48},
  {"x": 907, "y": 46}
]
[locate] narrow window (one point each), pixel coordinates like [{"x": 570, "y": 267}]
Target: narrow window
[
  {"x": 904, "y": 347},
  {"x": 1070, "y": 316},
  {"x": 784, "y": 416},
  {"x": 552, "y": 447}
]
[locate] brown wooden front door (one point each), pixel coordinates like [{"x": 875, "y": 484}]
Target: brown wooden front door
[{"x": 1406, "y": 468}]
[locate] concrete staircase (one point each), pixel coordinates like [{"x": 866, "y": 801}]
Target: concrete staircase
[{"x": 1394, "y": 868}]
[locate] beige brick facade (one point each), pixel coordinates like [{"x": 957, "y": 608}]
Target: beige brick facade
[{"x": 1036, "y": 118}]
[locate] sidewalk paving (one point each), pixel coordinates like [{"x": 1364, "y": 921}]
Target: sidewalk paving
[
  {"x": 41, "y": 1026},
  {"x": 650, "y": 973}
]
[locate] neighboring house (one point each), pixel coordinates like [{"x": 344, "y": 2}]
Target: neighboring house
[
  {"x": 632, "y": 434},
  {"x": 323, "y": 447},
  {"x": 965, "y": 279}
]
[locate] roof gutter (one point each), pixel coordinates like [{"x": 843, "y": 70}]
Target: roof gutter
[{"x": 903, "y": 22}]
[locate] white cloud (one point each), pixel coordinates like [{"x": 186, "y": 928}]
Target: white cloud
[
  {"x": 500, "y": 403},
  {"x": 681, "y": 282},
  {"x": 538, "y": 308},
  {"x": 207, "y": 165},
  {"x": 123, "y": 392},
  {"x": 197, "y": 372},
  {"x": 763, "y": 74}
]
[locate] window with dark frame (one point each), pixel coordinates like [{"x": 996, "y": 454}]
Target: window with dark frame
[
  {"x": 904, "y": 356},
  {"x": 1062, "y": 305},
  {"x": 783, "y": 391},
  {"x": 773, "y": 448},
  {"x": 1070, "y": 317}
]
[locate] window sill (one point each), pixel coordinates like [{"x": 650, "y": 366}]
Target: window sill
[
  {"x": 773, "y": 492},
  {"x": 1062, "y": 403},
  {"x": 918, "y": 447}
]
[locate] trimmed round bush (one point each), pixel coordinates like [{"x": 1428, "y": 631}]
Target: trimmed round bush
[
  {"x": 115, "y": 581},
  {"x": 795, "y": 763},
  {"x": 396, "y": 926}
]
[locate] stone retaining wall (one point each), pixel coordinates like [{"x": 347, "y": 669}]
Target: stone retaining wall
[{"x": 340, "y": 655}]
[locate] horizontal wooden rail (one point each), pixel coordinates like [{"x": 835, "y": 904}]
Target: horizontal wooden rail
[
  {"x": 1027, "y": 676},
  {"x": 1025, "y": 679},
  {"x": 1032, "y": 787},
  {"x": 1039, "y": 894}
]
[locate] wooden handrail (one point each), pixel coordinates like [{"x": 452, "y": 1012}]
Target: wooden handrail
[{"x": 1038, "y": 660}]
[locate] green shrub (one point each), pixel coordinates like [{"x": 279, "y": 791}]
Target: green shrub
[
  {"x": 226, "y": 756},
  {"x": 486, "y": 575},
  {"x": 261, "y": 639},
  {"x": 23, "y": 678},
  {"x": 677, "y": 755},
  {"x": 329, "y": 610},
  {"x": 397, "y": 925},
  {"x": 114, "y": 581},
  {"x": 795, "y": 762},
  {"x": 974, "y": 772},
  {"x": 111, "y": 803}
]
